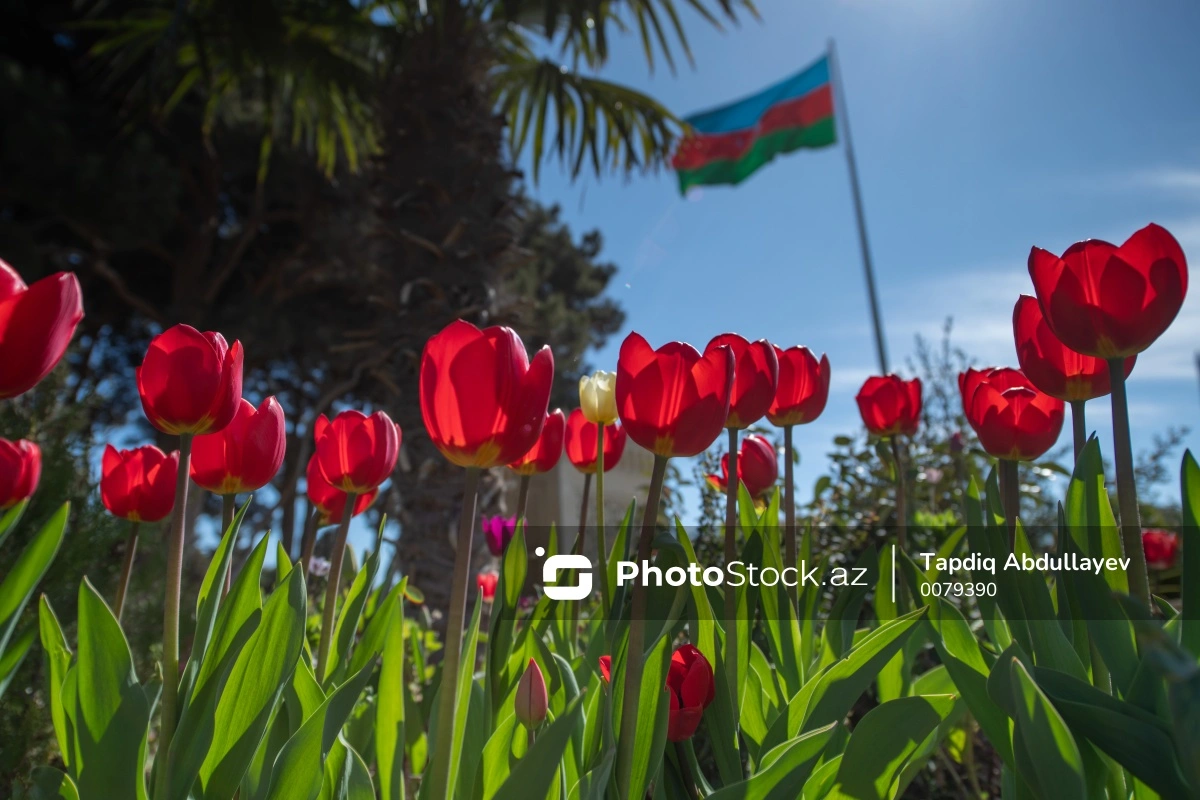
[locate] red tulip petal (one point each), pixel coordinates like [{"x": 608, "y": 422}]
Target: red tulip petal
[
  {"x": 10, "y": 281},
  {"x": 36, "y": 326},
  {"x": 178, "y": 380}
]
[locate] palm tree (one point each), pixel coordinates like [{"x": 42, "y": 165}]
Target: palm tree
[
  {"x": 416, "y": 110},
  {"x": 304, "y": 69}
]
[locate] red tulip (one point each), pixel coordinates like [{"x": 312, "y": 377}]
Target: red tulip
[
  {"x": 531, "y": 702},
  {"x": 190, "y": 382},
  {"x": 1050, "y": 365},
  {"x": 581, "y": 443},
  {"x": 1161, "y": 548},
  {"x": 487, "y": 582},
  {"x": 690, "y": 682},
  {"x": 606, "y": 668},
  {"x": 673, "y": 401},
  {"x": 355, "y": 452},
  {"x": 330, "y": 502},
  {"x": 758, "y": 467},
  {"x": 890, "y": 405},
  {"x": 483, "y": 400},
  {"x": 138, "y": 484},
  {"x": 755, "y": 377},
  {"x": 20, "y": 470},
  {"x": 243, "y": 456},
  {"x": 36, "y": 325},
  {"x": 803, "y": 387},
  {"x": 549, "y": 447},
  {"x": 1010, "y": 416},
  {"x": 1108, "y": 301}
]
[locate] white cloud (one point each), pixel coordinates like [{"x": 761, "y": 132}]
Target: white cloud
[{"x": 1177, "y": 178}]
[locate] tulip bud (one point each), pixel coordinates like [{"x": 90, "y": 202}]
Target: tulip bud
[
  {"x": 487, "y": 582},
  {"x": 36, "y": 326},
  {"x": 531, "y": 701},
  {"x": 20, "y": 469},
  {"x": 598, "y": 397}
]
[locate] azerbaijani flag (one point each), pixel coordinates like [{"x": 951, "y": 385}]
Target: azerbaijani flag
[{"x": 728, "y": 144}]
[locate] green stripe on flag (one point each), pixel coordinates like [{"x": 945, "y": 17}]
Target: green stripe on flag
[{"x": 821, "y": 134}]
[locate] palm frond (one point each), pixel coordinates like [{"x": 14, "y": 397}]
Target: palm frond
[
  {"x": 582, "y": 28},
  {"x": 301, "y": 65},
  {"x": 611, "y": 126}
]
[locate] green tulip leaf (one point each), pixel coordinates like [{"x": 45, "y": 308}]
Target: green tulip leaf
[
  {"x": 10, "y": 518},
  {"x": 534, "y": 774},
  {"x": 390, "y": 701},
  {"x": 347, "y": 622},
  {"x": 1052, "y": 764},
  {"x": 52, "y": 784},
  {"x": 262, "y": 669},
  {"x": 1135, "y": 739},
  {"x": 299, "y": 768},
  {"x": 1189, "y": 534},
  {"x": 791, "y": 764},
  {"x": 12, "y": 658},
  {"x": 112, "y": 712},
  {"x": 23, "y": 575},
  {"x": 58, "y": 659},
  {"x": 883, "y": 742}
]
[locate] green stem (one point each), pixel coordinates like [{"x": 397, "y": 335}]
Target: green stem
[
  {"x": 523, "y": 496},
  {"x": 580, "y": 541},
  {"x": 227, "y": 512},
  {"x": 601, "y": 533},
  {"x": 789, "y": 510},
  {"x": 170, "y": 661},
  {"x": 635, "y": 657},
  {"x": 732, "y": 483},
  {"x": 1078, "y": 426},
  {"x": 583, "y": 513},
  {"x": 1010, "y": 497},
  {"x": 901, "y": 495},
  {"x": 126, "y": 569},
  {"x": 448, "y": 703},
  {"x": 308, "y": 541},
  {"x": 333, "y": 586},
  {"x": 685, "y": 770},
  {"x": 1131, "y": 526}
]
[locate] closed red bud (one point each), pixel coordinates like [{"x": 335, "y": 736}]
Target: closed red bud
[
  {"x": 330, "y": 502},
  {"x": 138, "y": 484},
  {"x": 803, "y": 387},
  {"x": 548, "y": 449},
  {"x": 246, "y": 454},
  {"x": 1050, "y": 365},
  {"x": 20, "y": 470},
  {"x": 487, "y": 582},
  {"x": 690, "y": 683},
  {"x": 483, "y": 400},
  {"x": 531, "y": 701},
  {"x": 606, "y": 668},
  {"x": 36, "y": 325},
  {"x": 190, "y": 382},
  {"x": 1108, "y": 301},
  {"x": 581, "y": 441},
  {"x": 1012, "y": 419},
  {"x": 890, "y": 405},
  {"x": 755, "y": 377},
  {"x": 758, "y": 467},
  {"x": 1161, "y": 548},
  {"x": 673, "y": 401},
  {"x": 355, "y": 452}
]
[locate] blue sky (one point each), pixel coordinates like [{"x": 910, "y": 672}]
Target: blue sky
[{"x": 981, "y": 128}]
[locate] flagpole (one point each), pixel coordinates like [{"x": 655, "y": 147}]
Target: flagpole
[{"x": 843, "y": 117}]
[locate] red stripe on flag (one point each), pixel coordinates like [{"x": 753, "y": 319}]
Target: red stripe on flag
[{"x": 697, "y": 150}]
